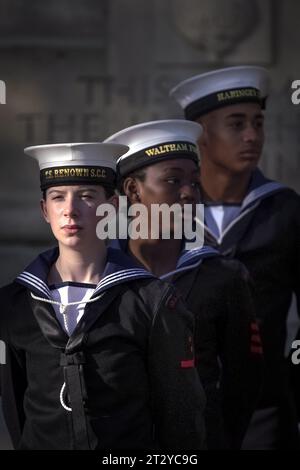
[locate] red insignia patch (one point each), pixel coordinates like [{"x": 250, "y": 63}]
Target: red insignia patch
[{"x": 187, "y": 364}]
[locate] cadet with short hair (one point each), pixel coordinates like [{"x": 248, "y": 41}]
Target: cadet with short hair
[{"x": 250, "y": 218}]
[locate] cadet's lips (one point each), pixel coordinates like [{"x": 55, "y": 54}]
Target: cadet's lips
[
  {"x": 250, "y": 150},
  {"x": 250, "y": 154},
  {"x": 72, "y": 228}
]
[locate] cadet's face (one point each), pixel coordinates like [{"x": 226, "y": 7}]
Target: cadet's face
[
  {"x": 233, "y": 137},
  {"x": 71, "y": 212},
  {"x": 169, "y": 182}
]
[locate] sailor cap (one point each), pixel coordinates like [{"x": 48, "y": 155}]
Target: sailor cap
[
  {"x": 156, "y": 141},
  {"x": 77, "y": 163},
  {"x": 203, "y": 93}
]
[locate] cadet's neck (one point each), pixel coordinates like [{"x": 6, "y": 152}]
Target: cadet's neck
[
  {"x": 157, "y": 256},
  {"x": 218, "y": 184},
  {"x": 76, "y": 266}
]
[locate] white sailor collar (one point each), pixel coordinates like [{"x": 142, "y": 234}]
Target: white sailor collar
[
  {"x": 188, "y": 259},
  {"x": 260, "y": 187},
  {"x": 119, "y": 269}
]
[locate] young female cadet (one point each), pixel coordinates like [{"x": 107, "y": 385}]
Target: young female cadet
[
  {"x": 162, "y": 167},
  {"x": 99, "y": 353}
]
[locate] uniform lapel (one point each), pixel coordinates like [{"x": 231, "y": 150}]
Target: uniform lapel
[
  {"x": 48, "y": 323},
  {"x": 259, "y": 189},
  {"x": 188, "y": 259},
  {"x": 93, "y": 312},
  {"x": 119, "y": 270}
]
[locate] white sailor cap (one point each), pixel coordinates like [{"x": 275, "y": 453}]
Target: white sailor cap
[
  {"x": 77, "y": 163},
  {"x": 156, "y": 141},
  {"x": 203, "y": 93}
]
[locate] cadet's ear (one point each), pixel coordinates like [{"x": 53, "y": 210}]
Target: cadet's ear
[
  {"x": 44, "y": 209},
  {"x": 130, "y": 188},
  {"x": 114, "y": 200},
  {"x": 202, "y": 142}
]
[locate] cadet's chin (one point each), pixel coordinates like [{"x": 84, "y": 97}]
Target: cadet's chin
[
  {"x": 72, "y": 240},
  {"x": 246, "y": 165}
]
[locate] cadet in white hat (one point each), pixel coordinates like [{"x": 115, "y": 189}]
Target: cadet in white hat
[
  {"x": 162, "y": 167},
  {"x": 82, "y": 323},
  {"x": 245, "y": 214}
]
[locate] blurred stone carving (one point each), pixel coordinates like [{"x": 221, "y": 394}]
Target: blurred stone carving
[
  {"x": 213, "y": 26},
  {"x": 59, "y": 23}
]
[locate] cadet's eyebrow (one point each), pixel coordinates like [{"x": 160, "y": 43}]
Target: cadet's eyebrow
[
  {"x": 168, "y": 168},
  {"x": 61, "y": 191},
  {"x": 243, "y": 115},
  {"x": 236, "y": 115},
  {"x": 87, "y": 189},
  {"x": 174, "y": 168}
]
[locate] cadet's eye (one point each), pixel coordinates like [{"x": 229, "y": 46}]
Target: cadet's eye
[
  {"x": 258, "y": 124},
  {"x": 57, "y": 198},
  {"x": 172, "y": 180},
  {"x": 236, "y": 125},
  {"x": 86, "y": 196}
]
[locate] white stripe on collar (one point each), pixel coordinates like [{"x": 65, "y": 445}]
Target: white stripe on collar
[
  {"x": 179, "y": 270},
  {"x": 33, "y": 281},
  {"x": 37, "y": 285},
  {"x": 261, "y": 192},
  {"x": 251, "y": 201},
  {"x": 187, "y": 257},
  {"x": 122, "y": 276},
  {"x": 196, "y": 253}
]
